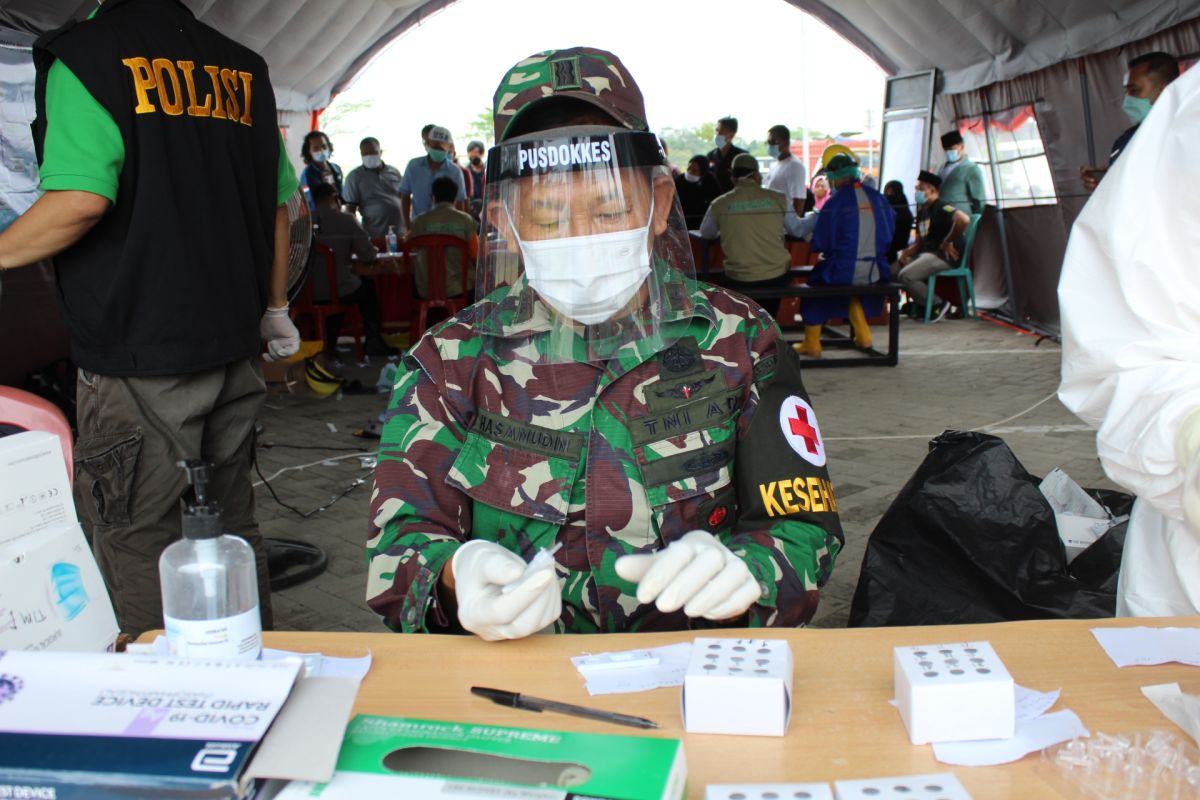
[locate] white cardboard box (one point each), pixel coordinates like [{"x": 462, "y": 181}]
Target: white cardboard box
[
  {"x": 52, "y": 596},
  {"x": 35, "y": 492},
  {"x": 738, "y": 686},
  {"x": 954, "y": 693},
  {"x": 1078, "y": 533},
  {"x": 938, "y": 786}
]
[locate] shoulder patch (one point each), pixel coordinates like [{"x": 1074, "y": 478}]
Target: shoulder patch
[{"x": 765, "y": 367}]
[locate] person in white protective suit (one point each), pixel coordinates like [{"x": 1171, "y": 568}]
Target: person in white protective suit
[{"x": 1129, "y": 296}]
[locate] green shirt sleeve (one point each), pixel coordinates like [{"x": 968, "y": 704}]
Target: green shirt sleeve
[
  {"x": 285, "y": 181},
  {"x": 83, "y": 148}
]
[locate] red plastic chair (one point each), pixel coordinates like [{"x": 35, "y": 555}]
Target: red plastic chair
[
  {"x": 33, "y": 413},
  {"x": 319, "y": 312},
  {"x": 433, "y": 247}
]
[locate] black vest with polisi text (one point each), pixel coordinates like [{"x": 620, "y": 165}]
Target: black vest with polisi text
[{"x": 173, "y": 279}]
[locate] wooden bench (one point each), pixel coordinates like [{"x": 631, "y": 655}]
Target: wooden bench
[{"x": 833, "y": 339}]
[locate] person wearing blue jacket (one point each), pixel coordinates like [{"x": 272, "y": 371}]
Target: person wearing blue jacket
[{"x": 852, "y": 234}]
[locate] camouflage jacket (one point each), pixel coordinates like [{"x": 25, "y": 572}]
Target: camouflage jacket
[{"x": 609, "y": 458}]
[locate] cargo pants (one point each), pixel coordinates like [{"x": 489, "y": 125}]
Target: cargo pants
[{"x": 128, "y": 487}]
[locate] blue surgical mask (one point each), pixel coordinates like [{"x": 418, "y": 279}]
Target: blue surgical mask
[
  {"x": 435, "y": 155},
  {"x": 919, "y": 197},
  {"x": 719, "y": 141},
  {"x": 1136, "y": 108},
  {"x": 320, "y": 156},
  {"x": 953, "y": 155},
  {"x": 773, "y": 150}
]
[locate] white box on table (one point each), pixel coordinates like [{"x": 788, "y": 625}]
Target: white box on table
[
  {"x": 938, "y": 786},
  {"x": 738, "y": 686},
  {"x": 35, "y": 492},
  {"x": 954, "y": 693},
  {"x": 768, "y": 791}
]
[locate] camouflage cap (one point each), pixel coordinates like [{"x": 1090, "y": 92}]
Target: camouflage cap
[{"x": 585, "y": 73}]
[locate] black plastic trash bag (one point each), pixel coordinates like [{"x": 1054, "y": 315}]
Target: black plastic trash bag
[{"x": 970, "y": 538}]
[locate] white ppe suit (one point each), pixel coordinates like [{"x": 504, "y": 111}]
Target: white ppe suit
[{"x": 1129, "y": 297}]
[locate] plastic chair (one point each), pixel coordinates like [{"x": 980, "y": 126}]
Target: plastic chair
[
  {"x": 961, "y": 273},
  {"x": 25, "y": 410},
  {"x": 433, "y": 247},
  {"x": 320, "y": 312}
]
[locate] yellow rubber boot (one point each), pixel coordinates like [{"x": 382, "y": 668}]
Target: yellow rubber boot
[
  {"x": 858, "y": 323},
  {"x": 811, "y": 346}
]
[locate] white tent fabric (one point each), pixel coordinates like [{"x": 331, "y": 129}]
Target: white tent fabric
[{"x": 315, "y": 48}]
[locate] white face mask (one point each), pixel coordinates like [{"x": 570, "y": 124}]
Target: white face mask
[
  {"x": 589, "y": 278},
  {"x": 320, "y": 156},
  {"x": 690, "y": 178},
  {"x": 372, "y": 162}
]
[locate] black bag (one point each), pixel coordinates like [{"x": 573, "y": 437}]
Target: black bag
[{"x": 970, "y": 538}]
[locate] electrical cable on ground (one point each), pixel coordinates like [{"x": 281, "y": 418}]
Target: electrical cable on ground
[
  {"x": 982, "y": 428},
  {"x": 358, "y": 481}
]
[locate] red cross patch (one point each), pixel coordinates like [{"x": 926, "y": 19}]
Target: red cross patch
[{"x": 798, "y": 422}]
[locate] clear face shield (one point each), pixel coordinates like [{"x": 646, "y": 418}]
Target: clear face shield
[{"x": 587, "y": 251}]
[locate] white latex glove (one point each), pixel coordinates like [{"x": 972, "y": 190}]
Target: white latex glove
[
  {"x": 481, "y": 570},
  {"x": 695, "y": 572},
  {"x": 1187, "y": 454},
  {"x": 280, "y": 334}
]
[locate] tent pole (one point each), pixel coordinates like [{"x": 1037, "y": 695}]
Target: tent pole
[
  {"x": 1087, "y": 112},
  {"x": 989, "y": 138}
]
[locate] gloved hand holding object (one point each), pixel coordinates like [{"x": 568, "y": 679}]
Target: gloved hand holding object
[
  {"x": 481, "y": 571},
  {"x": 280, "y": 334},
  {"x": 1187, "y": 453},
  {"x": 695, "y": 572}
]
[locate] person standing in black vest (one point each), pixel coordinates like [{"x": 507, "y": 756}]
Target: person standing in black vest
[{"x": 165, "y": 181}]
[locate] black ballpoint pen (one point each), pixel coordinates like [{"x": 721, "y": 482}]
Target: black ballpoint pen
[{"x": 524, "y": 701}]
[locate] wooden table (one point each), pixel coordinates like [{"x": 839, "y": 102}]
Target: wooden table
[{"x": 842, "y": 725}]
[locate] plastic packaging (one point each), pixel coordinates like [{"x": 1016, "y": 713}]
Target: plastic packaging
[
  {"x": 541, "y": 560},
  {"x": 209, "y": 583},
  {"x": 1147, "y": 765},
  {"x": 391, "y": 239},
  {"x": 970, "y": 538}
]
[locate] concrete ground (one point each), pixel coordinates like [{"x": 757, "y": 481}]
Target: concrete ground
[{"x": 877, "y": 421}]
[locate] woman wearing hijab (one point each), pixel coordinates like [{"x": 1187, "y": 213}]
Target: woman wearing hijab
[{"x": 820, "y": 190}]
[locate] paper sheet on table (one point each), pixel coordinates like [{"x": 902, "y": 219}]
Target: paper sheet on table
[
  {"x": 1032, "y": 735},
  {"x": 1182, "y": 709},
  {"x": 669, "y": 671},
  {"x": 1142, "y": 646},
  {"x": 316, "y": 665}
]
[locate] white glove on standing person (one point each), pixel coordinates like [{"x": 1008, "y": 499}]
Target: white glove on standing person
[
  {"x": 280, "y": 333},
  {"x": 695, "y": 572},
  {"x": 481, "y": 570}
]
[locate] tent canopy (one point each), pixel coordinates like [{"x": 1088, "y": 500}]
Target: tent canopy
[{"x": 315, "y": 48}]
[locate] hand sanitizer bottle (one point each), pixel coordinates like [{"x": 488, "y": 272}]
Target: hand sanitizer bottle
[
  {"x": 391, "y": 239},
  {"x": 209, "y": 583}
]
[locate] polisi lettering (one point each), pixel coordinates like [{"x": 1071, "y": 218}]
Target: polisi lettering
[
  {"x": 787, "y": 497},
  {"x": 173, "y": 86},
  {"x": 564, "y": 155}
]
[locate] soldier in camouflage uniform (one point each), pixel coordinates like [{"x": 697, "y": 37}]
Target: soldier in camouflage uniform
[{"x": 669, "y": 447}]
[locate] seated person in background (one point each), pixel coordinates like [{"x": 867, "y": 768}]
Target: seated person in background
[
  {"x": 749, "y": 222},
  {"x": 937, "y": 248},
  {"x": 696, "y": 188},
  {"x": 894, "y": 192},
  {"x": 342, "y": 234},
  {"x": 1148, "y": 75},
  {"x": 446, "y": 220},
  {"x": 852, "y": 235}
]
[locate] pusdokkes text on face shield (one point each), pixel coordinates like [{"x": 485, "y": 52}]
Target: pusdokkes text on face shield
[{"x": 586, "y": 255}]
